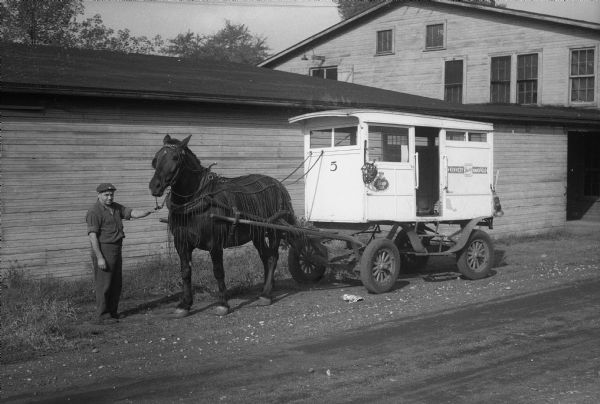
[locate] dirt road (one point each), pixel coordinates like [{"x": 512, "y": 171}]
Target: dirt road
[{"x": 527, "y": 334}]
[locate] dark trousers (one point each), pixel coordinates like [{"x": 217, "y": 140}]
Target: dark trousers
[{"x": 110, "y": 282}]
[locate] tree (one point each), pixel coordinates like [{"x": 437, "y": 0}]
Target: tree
[
  {"x": 233, "y": 43},
  {"x": 93, "y": 34},
  {"x": 350, "y": 8},
  {"x": 38, "y": 21}
]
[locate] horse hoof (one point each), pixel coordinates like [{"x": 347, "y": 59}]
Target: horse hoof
[
  {"x": 264, "y": 301},
  {"x": 222, "y": 310},
  {"x": 181, "y": 313}
]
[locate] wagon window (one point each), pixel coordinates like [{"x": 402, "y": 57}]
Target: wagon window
[
  {"x": 320, "y": 138},
  {"x": 344, "y": 136},
  {"x": 477, "y": 137},
  {"x": 388, "y": 143},
  {"x": 455, "y": 136}
]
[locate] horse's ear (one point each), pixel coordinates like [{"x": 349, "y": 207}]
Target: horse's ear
[
  {"x": 185, "y": 141},
  {"x": 166, "y": 139}
]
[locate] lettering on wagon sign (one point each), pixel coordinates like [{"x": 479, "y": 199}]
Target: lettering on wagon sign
[{"x": 468, "y": 170}]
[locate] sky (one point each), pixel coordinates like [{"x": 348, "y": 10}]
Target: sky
[{"x": 282, "y": 22}]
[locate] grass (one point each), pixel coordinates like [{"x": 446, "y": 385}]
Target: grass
[{"x": 41, "y": 315}]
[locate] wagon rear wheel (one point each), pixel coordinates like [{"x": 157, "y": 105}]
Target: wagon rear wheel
[
  {"x": 307, "y": 261},
  {"x": 380, "y": 266},
  {"x": 476, "y": 260}
]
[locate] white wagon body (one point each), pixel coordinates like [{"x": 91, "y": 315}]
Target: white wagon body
[{"x": 428, "y": 168}]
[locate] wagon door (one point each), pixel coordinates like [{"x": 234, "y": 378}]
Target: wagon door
[
  {"x": 334, "y": 189},
  {"x": 391, "y": 196},
  {"x": 466, "y": 173}
]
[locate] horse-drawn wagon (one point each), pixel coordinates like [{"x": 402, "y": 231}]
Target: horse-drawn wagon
[
  {"x": 397, "y": 188},
  {"x": 417, "y": 186}
]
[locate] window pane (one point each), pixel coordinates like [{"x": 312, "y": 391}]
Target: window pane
[
  {"x": 582, "y": 75},
  {"x": 434, "y": 36},
  {"x": 477, "y": 137},
  {"x": 384, "y": 41},
  {"x": 344, "y": 136},
  {"x": 388, "y": 143},
  {"x": 455, "y": 136},
  {"x": 500, "y": 80},
  {"x": 527, "y": 73},
  {"x": 453, "y": 81},
  {"x": 320, "y": 138},
  {"x": 317, "y": 73}
]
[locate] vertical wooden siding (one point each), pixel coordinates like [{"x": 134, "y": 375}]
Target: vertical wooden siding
[
  {"x": 470, "y": 35},
  {"x": 53, "y": 160},
  {"x": 533, "y": 179}
]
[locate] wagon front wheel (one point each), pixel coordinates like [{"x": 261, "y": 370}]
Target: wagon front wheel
[
  {"x": 307, "y": 262},
  {"x": 476, "y": 260},
  {"x": 380, "y": 266}
]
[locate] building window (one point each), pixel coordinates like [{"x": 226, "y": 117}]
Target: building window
[
  {"x": 453, "y": 81},
  {"x": 582, "y": 75},
  {"x": 527, "y": 79},
  {"x": 500, "y": 80},
  {"x": 434, "y": 36},
  {"x": 385, "y": 42},
  {"x": 325, "y": 72}
]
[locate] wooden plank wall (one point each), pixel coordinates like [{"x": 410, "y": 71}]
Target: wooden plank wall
[
  {"x": 53, "y": 160},
  {"x": 471, "y": 35},
  {"x": 533, "y": 179}
]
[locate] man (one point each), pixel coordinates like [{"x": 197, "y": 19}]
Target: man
[{"x": 105, "y": 230}]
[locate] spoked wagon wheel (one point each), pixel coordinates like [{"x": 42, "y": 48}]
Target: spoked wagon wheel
[
  {"x": 307, "y": 261},
  {"x": 475, "y": 261},
  {"x": 380, "y": 265}
]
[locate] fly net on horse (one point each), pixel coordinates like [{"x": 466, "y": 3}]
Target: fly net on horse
[{"x": 255, "y": 197}]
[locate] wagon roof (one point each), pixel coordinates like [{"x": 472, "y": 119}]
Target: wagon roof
[
  {"x": 34, "y": 71},
  {"x": 395, "y": 117}
]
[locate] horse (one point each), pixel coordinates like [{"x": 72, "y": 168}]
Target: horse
[{"x": 196, "y": 195}]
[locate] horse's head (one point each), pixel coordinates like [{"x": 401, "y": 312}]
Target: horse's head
[{"x": 167, "y": 164}]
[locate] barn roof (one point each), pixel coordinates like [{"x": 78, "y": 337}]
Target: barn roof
[
  {"x": 389, "y": 5},
  {"x": 33, "y": 72}
]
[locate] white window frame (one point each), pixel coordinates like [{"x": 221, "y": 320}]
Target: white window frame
[
  {"x": 464, "y": 76},
  {"x": 538, "y": 77},
  {"x": 393, "y": 47},
  {"x": 445, "y": 31},
  {"x": 595, "y": 100}
]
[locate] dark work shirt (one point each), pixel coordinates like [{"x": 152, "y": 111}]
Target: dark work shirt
[{"x": 106, "y": 224}]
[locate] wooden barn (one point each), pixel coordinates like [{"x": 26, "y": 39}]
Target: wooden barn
[
  {"x": 74, "y": 118},
  {"x": 476, "y": 54}
]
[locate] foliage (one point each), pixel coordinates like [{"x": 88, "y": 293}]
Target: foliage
[
  {"x": 233, "y": 43},
  {"x": 350, "y": 8},
  {"x": 38, "y": 22},
  {"x": 54, "y": 22},
  {"x": 93, "y": 34}
]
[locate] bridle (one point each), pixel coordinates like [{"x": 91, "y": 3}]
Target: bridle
[
  {"x": 179, "y": 155},
  {"x": 181, "y": 161}
]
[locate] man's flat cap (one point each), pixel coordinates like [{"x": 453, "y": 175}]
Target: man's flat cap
[{"x": 105, "y": 186}]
